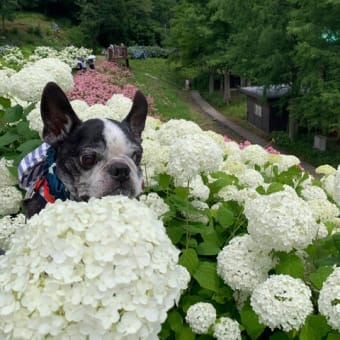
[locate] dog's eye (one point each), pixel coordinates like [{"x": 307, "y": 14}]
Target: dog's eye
[
  {"x": 136, "y": 157},
  {"x": 88, "y": 160}
]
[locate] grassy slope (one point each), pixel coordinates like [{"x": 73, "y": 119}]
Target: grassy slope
[
  {"x": 28, "y": 30},
  {"x": 155, "y": 77}
]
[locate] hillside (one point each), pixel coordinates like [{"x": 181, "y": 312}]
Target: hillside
[{"x": 29, "y": 29}]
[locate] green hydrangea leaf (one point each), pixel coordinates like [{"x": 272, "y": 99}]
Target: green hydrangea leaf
[
  {"x": 8, "y": 138},
  {"x": 13, "y": 114},
  {"x": 176, "y": 321},
  {"x": 208, "y": 248},
  {"x": 225, "y": 217},
  {"x": 164, "y": 181},
  {"x": 274, "y": 187},
  {"x": 314, "y": 328},
  {"x": 206, "y": 276},
  {"x": 5, "y": 102},
  {"x": 29, "y": 145},
  {"x": 279, "y": 336},
  {"x": 290, "y": 264},
  {"x": 251, "y": 323},
  {"x": 320, "y": 276},
  {"x": 186, "y": 334},
  {"x": 189, "y": 260}
]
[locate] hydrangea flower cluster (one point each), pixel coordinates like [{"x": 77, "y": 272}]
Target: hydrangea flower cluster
[
  {"x": 155, "y": 203},
  {"x": 200, "y": 317},
  {"x": 242, "y": 264},
  {"x": 282, "y": 302},
  {"x": 10, "y": 196},
  {"x": 329, "y": 298},
  {"x": 29, "y": 82},
  {"x": 188, "y": 157},
  {"x": 68, "y": 54},
  {"x": 227, "y": 329},
  {"x": 98, "y": 269},
  {"x": 8, "y": 227},
  {"x": 281, "y": 221}
]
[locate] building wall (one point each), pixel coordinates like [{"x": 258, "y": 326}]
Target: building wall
[{"x": 265, "y": 115}]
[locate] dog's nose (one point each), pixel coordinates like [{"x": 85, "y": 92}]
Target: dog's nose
[{"x": 120, "y": 171}]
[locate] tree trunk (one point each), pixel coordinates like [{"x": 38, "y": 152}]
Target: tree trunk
[
  {"x": 226, "y": 92},
  {"x": 211, "y": 81},
  {"x": 245, "y": 82},
  {"x": 292, "y": 127},
  {"x": 3, "y": 23}
]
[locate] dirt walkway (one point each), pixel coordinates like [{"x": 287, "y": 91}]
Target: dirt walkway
[{"x": 242, "y": 133}]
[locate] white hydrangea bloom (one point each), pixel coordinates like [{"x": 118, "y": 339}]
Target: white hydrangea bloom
[
  {"x": 6, "y": 178},
  {"x": 329, "y": 297},
  {"x": 29, "y": 83},
  {"x": 227, "y": 329},
  {"x": 327, "y": 183},
  {"x": 323, "y": 210},
  {"x": 198, "y": 189},
  {"x": 251, "y": 178},
  {"x": 103, "y": 269},
  {"x": 120, "y": 106},
  {"x": 282, "y": 302},
  {"x": 3, "y": 83},
  {"x": 286, "y": 161},
  {"x": 247, "y": 194},
  {"x": 322, "y": 231},
  {"x": 10, "y": 200},
  {"x": 229, "y": 193},
  {"x": 336, "y": 195},
  {"x": 233, "y": 167},
  {"x": 95, "y": 111},
  {"x": 242, "y": 264},
  {"x": 312, "y": 192},
  {"x": 281, "y": 221},
  {"x": 200, "y": 317},
  {"x": 325, "y": 170},
  {"x": 155, "y": 203},
  {"x": 60, "y": 71},
  {"x": 9, "y": 71},
  {"x": 8, "y": 227},
  {"x": 34, "y": 119},
  {"x": 154, "y": 159},
  {"x": 240, "y": 298},
  {"x": 254, "y": 155},
  {"x": 218, "y": 138},
  {"x": 152, "y": 124},
  {"x": 198, "y": 217},
  {"x": 192, "y": 155},
  {"x": 79, "y": 106},
  {"x": 173, "y": 129},
  {"x": 232, "y": 148}
]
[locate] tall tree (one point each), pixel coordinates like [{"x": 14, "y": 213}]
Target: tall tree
[
  {"x": 120, "y": 21},
  {"x": 7, "y": 10},
  {"x": 316, "y": 24}
]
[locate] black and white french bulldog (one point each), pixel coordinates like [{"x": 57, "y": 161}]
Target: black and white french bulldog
[{"x": 94, "y": 158}]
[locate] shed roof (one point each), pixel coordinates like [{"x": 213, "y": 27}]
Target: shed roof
[{"x": 271, "y": 92}]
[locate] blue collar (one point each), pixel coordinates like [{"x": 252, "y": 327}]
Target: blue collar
[{"x": 56, "y": 187}]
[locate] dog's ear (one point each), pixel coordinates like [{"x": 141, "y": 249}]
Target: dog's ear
[
  {"x": 57, "y": 114},
  {"x": 137, "y": 115}
]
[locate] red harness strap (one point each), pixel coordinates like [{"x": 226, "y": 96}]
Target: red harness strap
[{"x": 42, "y": 182}]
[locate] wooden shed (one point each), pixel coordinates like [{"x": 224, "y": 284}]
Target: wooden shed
[{"x": 263, "y": 107}]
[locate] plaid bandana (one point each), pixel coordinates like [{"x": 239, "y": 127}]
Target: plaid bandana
[{"x": 37, "y": 173}]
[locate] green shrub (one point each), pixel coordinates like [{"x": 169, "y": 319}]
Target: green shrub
[{"x": 35, "y": 29}]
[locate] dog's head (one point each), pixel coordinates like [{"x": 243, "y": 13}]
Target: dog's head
[{"x": 97, "y": 157}]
